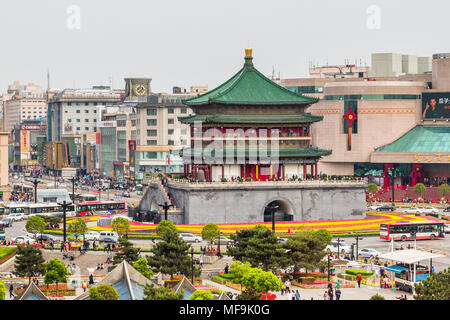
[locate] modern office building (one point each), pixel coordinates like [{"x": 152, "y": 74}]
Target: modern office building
[
  {"x": 77, "y": 111},
  {"x": 396, "y": 64},
  {"x": 5, "y": 189}
]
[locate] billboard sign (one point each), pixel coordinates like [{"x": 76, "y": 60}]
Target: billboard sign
[{"x": 435, "y": 105}]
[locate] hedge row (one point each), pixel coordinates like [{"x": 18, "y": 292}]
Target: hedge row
[{"x": 355, "y": 272}]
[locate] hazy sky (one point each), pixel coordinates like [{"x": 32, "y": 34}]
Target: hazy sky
[{"x": 201, "y": 42}]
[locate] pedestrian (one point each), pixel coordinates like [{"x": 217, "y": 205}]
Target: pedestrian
[
  {"x": 330, "y": 293},
  {"x": 226, "y": 269},
  {"x": 283, "y": 289},
  {"x": 292, "y": 295},
  {"x": 11, "y": 291},
  {"x": 201, "y": 261},
  {"x": 325, "y": 296},
  {"x": 91, "y": 279},
  {"x": 84, "y": 285},
  {"x": 337, "y": 292},
  {"x": 359, "y": 278},
  {"x": 297, "y": 295},
  {"x": 288, "y": 285}
]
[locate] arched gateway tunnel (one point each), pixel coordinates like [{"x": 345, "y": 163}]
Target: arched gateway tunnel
[{"x": 234, "y": 202}]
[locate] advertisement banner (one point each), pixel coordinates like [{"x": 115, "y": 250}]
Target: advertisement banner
[
  {"x": 435, "y": 105},
  {"x": 25, "y": 146}
]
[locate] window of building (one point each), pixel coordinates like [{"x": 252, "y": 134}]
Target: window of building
[
  {"x": 78, "y": 104},
  {"x": 170, "y": 142},
  {"x": 104, "y": 103},
  {"x": 121, "y": 123},
  {"x": 86, "y": 128},
  {"x": 69, "y": 103},
  {"x": 70, "y": 120},
  {"x": 78, "y": 111},
  {"x": 170, "y": 131},
  {"x": 170, "y": 110},
  {"x": 151, "y": 133},
  {"x": 86, "y": 120},
  {"x": 95, "y": 103},
  {"x": 78, "y": 120},
  {"x": 133, "y": 123},
  {"x": 95, "y": 120},
  {"x": 86, "y": 111},
  {"x": 86, "y": 103},
  {"x": 95, "y": 111},
  {"x": 170, "y": 121},
  {"x": 95, "y": 129},
  {"x": 151, "y": 111},
  {"x": 151, "y": 142},
  {"x": 183, "y": 110},
  {"x": 183, "y": 131},
  {"x": 151, "y": 122},
  {"x": 78, "y": 128}
]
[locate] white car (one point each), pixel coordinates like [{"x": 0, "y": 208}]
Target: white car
[
  {"x": 374, "y": 207},
  {"x": 446, "y": 228},
  {"x": 368, "y": 253},
  {"x": 429, "y": 210},
  {"x": 92, "y": 235},
  {"x": 23, "y": 239},
  {"x": 343, "y": 247},
  {"x": 190, "y": 237},
  {"x": 17, "y": 216},
  {"x": 412, "y": 210}
]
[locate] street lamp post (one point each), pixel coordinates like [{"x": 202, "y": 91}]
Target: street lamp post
[
  {"x": 219, "y": 243},
  {"x": 357, "y": 239},
  {"x": 272, "y": 210},
  {"x": 338, "y": 248},
  {"x": 329, "y": 268},
  {"x": 165, "y": 207},
  {"x": 192, "y": 256},
  {"x": 73, "y": 188},
  {"x": 35, "y": 182},
  {"x": 64, "y": 205}
]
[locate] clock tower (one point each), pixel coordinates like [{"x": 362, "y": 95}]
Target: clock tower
[{"x": 137, "y": 89}]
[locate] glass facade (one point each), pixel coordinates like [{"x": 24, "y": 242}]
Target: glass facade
[
  {"x": 108, "y": 148},
  {"x": 122, "y": 145}
]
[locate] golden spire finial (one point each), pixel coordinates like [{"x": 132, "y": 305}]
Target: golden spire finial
[{"x": 248, "y": 52}]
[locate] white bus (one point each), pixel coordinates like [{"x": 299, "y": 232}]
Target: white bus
[{"x": 50, "y": 208}]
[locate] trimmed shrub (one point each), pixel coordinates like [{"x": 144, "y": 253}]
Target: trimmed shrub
[{"x": 355, "y": 272}]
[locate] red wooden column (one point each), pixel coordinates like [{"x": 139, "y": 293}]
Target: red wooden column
[{"x": 316, "y": 171}]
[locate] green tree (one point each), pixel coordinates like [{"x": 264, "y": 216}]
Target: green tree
[
  {"x": 56, "y": 272},
  {"x": 121, "y": 225},
  {"x": 2, "y": 290},
  {"x": 210, "y": 231},
  {"x": 78, "y": 227},
  {"x": 171, "y": 254},
  {"x": 127, "y": 252},
  {"x": 377, "y": 297},
  {"x": 103, "y": 292},
  {"x": 435, "y": 287},
  {"x": 35, "y": 225},
  {"x": 163, "y": 226},
  {"x": 443, "y": 189},
  {"x": 372, "y": 188},
  {"x": 307, "y": 249},
  {"x": 28, "y": 260},
  {"x": 258, "y": 281},
  {"x": 239, "y": 269},
  {"x": 141, "y": 265},
  {"x": 201, "y": 295},
  {"x": 153, "y": 292},
  {"x": 420, "y": 189},
  {"x": 259, "y": 246}
]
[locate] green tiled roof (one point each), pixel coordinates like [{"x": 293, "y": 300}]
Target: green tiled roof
[
  {"x": 283, "y": 152},
  {"x": 249, "y": 86},
  {"x": 421, "y": 139},
  {"x": 253, "y": 118}
]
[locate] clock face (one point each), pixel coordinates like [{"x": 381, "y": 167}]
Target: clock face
[{"x": 140, "y": 90}]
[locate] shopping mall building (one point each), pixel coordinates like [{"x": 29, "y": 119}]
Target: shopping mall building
[{"x": 374, "y": 126}]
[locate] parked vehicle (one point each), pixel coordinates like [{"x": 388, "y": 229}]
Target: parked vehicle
[
  {"x": 23, "y": 239},
  {"x": 2, "y": 234},
  {"x": 223, "y": 240},
  {"x": 109, "y": 236},
  {"x": 190, "y": 237},
  {"x": 43, "y": 237},
  {"x": 6, "y": 222},
  {"x": 429, "y": 209},
  {"x": 412, "y": 210},
  {"x": 374, "y": 207},
  {"x": 343, "y": 247},
  {"x": 282, "y": 240},
  {"x": 17, "y": 216},
  {"x": 368, "y": 253},
  {"x": 447, "y": 209},
  {"x": 92, "y": 235},
  {"x": 446, "y": 228},
  {"x": 386, "y": 207}
]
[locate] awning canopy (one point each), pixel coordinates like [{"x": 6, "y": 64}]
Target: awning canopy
[
  {"x": 409, "y": 256},
  {"x": 396, "y": 269}
]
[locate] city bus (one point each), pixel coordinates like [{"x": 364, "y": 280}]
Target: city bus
[
  {"x": 100, "y": 207},
  {"x": 88, "y": 197},
  {"x": 50, "y": 208},
  {"x": 20, "y": 187},
  {"x": 16, "y": 208},
  {"x": 403, "y": 231}
]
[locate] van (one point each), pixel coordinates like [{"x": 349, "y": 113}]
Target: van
[{"x": 108, "y": 236}]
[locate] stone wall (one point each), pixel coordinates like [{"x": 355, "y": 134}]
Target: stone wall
[{"x": 245, "y": 202}]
